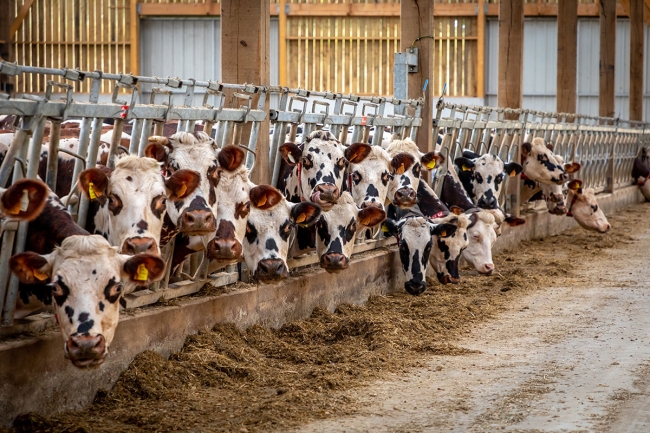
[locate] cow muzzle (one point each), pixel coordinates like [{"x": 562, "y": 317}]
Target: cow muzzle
[
  {"x": 488, "y": 202},
  {"x": 604, "y": 228},
  {"x": 270, "y": 270},
  {"x": 224, "y": 249},
  {"x": 86, "y": 351},
  {"x": 138, "y": 244},
  {"x": 486, "y": 269},
  {"x": 376, "y": 204},
  {"x": 415, "y": 287},
  {"x": 334, "y": 262},
  {"x": 448, "y": 279},
  {"x": 197, "y": 222},
  {"x": 325, "y": 195},
  {"x": 405, "y": 198}
]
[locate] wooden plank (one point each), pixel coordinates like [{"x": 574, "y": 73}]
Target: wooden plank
[
  {"x": 6, "y": 49},
  {"x": 180, "y": 9},
  {"x": 480, "y": 58},
  {"x": 134, "y": 28},
  {"x": 567, "y": 56},
  {"x": 511, "y": 54},
  {"x": 245, "y": 48},
  {"x": 417, "y": 20},
  {"x": 607, "y": 58},
  {"x": 282, "y": 41},
  {"x": 22, "y": 14},
  {"x": 636, "y": 58}
]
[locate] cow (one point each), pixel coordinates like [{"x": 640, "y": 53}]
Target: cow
[
  {"x": 131, "y": 201},
  {"x": 407, "y": 162},
  {"x": 369, "y": 174},
  {"x": 583, "y": 206},
  {"x": 270, "y": 223},
  {"x": 337, "y": 228},
  {"x": 415, "y": 238},
  {"x": 542, "y": 165},
  {"x": 87, "y": 276},
  {"x": 640, "y": 174},
  {"x": 483, "y": 175},
  {"x": 448, "y": 249},
  {"x": 482, "y": 233},
  {"x": 24, "y": 200}
]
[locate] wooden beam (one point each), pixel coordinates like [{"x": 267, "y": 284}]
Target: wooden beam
[
  {"x": 22, "y": 14},
  {"x": 282, "y": 41},
  {"x": 480, "y": 58},
  {"x": 607, "y": 58},
  {"x": 567, "y": 56},
  {"x": 180, "y": 9},
  {"x": 636, "y": 59},
  {"x": 134, "y": 29},
  {"x": 511, "y": 53},
  {"x": 416, "y": 21},
  {"x": 6, "y": 48},
  {"x": 245, "y": 48}
]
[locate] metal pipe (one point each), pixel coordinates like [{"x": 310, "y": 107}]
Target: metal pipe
[
  {"x": 53, "y": 156},
  {"x": 144, "y": 136},
  {"x": 118, "y": 127},
  {"x": 20, "y": 137},
  {"x": 136, "y": 132}
]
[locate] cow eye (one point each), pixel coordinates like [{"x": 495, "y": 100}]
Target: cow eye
[
  {"x": 498, "y": 179},
  {"x": 341, "y": 163},
  {"x": 595, "y": 207},
  {"x": 56, "y": 290},
  {"x": 356, "y": 177}
]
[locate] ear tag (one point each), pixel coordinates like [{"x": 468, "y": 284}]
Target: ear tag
[
  {"x": 142, "y": 273},
  {"x": 41, "y": 276},
  {"x": 513, "y": 173},
  {"x": 91, "y": 191},
  {"x": 301, "y": 218},
  {"x": 431, "y": 164},
  {"x": 401, "y": 169},
  {"x": 262, "y": 201},
  {"x": 384, "y": 228},
  {"x": 466, "y": 168},
  {"x": 443, "y": 234},
  {"x": 24, "y": 201},
  {"x": 291, "y": 158},
  {"x": 182, "y": 189}
]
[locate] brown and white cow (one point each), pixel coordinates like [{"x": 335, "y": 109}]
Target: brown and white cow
[
  {"x": 337, "y": 228},
  {"x": 132, "y": 201},
  {"x": 87, "y": 276},
  {"x": 24, "y": 200},
  {"x": 270, "y": 223},
  {"x": 542, "y": 165},
  {"x": 583, "y": 206}
]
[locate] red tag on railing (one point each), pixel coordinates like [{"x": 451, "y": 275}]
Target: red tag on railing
[{"x": 363, "y": 120}]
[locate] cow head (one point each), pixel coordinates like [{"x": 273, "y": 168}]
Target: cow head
[
  {"x": 132, "y": 200},
  {"x": 24, "y": 200},
  {"x": 555, "y": 194},
  {"x": 483, "y": 177},
  {"x": 447, "y": 249},
  {"x": 482, "y": 233},
  {"x": 194, "y": 215},
  {"x": 407, "y": 162},
  {"x": 369, "y": 174},
  {"x": 87, "y": 275},
  {"x": 640, "y": 174},
  {"x": 541, "y": 164},
  {"x": 415, "y": 238},
  {"x": 270, "y": 223},
  {"x": 337, "y": 228},
  {"x": 584, "y": 208},
  {"x": 319, "y": 169},
  {"x": 233, "y": 204}
]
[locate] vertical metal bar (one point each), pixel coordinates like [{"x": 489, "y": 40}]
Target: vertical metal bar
[
  {"x": 158, "y": 127},
  {"x": 278, "y": 135},
  {"x": 34, "y": 155},
  {"x": 144, "y": 136},
  {"x": 228, "y": 134},
  {"x": 7, "y": 246},
  {"x": 252, "y": 145},
  {"x": 136, "y": 132},
  {"x": 20, "y": 137},
  {"x": 118, "y": 127},
  {"x": 52, "y": 156},
  {"x": 93, "y": 149}
]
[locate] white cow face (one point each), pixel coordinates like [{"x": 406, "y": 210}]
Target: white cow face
[
  {"x": 584, "y": 208},
  {"x": 542, "y": 165},
  {"x": 195, "y": 215},
  {"x": 447, "y": 249},
  {"x": 407, "y": 163},
  {"x": 87, "y": 276},
  {"x": 369, "y": 174},
  {"x": 319, "y": 169},
  {"x": 483, "y": 177},
  {"x": 415, "y": 239},
  {"x": 269, "y": 226},
  {"x": 24, "y": 200},
  {"x": 132, "y": 201},
  {"x": 482, "y": 234},
  {"x": 337, "y": 228}
]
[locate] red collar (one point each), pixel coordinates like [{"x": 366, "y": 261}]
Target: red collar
[
  {"x": 642, "y": 183},
  {"x": 573, "y": 200},
  {"x": 440, "y": 214}
]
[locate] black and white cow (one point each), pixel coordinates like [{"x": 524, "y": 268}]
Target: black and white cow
[
  {"x": 542, "y": 165},
  {"x": 86, "y": 277},
  {"x": 370, "y": 172},
  {"x": 268, "y": 229},
  {"x": 641, "y": 174},
  {"x": 583, "y": 206},
  {"x": 446, "y": 255}
]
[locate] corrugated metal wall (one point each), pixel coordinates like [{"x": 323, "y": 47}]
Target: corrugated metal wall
[{"x": 540, "y": 65}]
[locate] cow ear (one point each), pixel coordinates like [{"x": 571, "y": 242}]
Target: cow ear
[
  {"x": 514, "y": 221},
  {"x": 470, "y": 155},
  {"x": 264, "y": 197},
  {"x": 401, "y": 162},
  {"x": 456, "y": 210},
  {"x": 431, "y": 159},
  {"x": 231, "y": 157},
  {"x": 144, "y": 268},
  {"x": 290, "y": 153},
  {"x": 305, "y": 213},
  {"x": 442, "y": 230},
  {"x": 93, "y": 182},
  {"x": 371, "y": 216},
  {"x": 572, "y": 167},
  {"x": 465, "y": 164},
  {"x": 357, "y": 152},
  {"x": 158, "y": 148},
  {"x": 389, "y": 226},
  {"x": 512, "y": 169},
  {"x": 30, "y": 267},
  {"x": 24, "y": 200},
  {"x": 575, "y": 185},
  {"x": 182, "y": 183},
  {"x": 526, "y": 148}
]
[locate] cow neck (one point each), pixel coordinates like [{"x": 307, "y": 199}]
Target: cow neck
[
  {"x": 642, "y": 182},
  {"x": 573, "y": 200},
  {"x": 350, "y": 182}
]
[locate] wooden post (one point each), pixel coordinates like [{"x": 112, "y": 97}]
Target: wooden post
[
  {"x": 636, "y": 59},
  {"x": 134, "y": 28},
  {"x": 245, "y": 47},
  {"x": 480, "y": 58},
  {"x": 6, "y": 48},
  {"x": 567, "y": 56},
  {"x": 511, "y": 54},
  {"x": 417, "y": 21},
  {"x": 607, "y": 57},
  {"x": 282, "y": 41}
]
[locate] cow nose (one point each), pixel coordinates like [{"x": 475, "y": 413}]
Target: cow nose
[
  {"x": 333, "y": 262},
  {"x": 606, "y": 228},
  {"x": 415, "y": 287},
  {"x": 448, "y": 279},
  {"x": 86, "y": 350},
  {"x": 328, "y": 192},
  {"x": 405, "y": 197},
  {"x": 271, "y": 269},
  {"x": 197, "y": 221},
  {"x": 135, "y": 245},
  {"x": 367, "y": 204},
  {"x": 224, "y": 249},
  {"x": 487, "y": 203},
  {"x": 488, "y": 268}
]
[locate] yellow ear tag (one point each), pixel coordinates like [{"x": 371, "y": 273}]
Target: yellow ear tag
[
  {"x": 443, "y": 234},
  {"x": 91, "y": 191},
  {"x": 181, "y": 190},
  {"x": 466, "y": 168},
  {"x": 431, "y": 164},
  {"x": 401, "y": 169},
  {"x": 384, "y": 228},
  {"x": 143, "y": 273},
  {"x": 40, "y": 275},
  {"x": 513, "y": 173},
  {"x": 301, "y": 218},
  {"x": 262, "y": 201}
]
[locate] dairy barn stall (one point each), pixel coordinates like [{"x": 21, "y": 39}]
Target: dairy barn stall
[{"x": 324, "y": 215}]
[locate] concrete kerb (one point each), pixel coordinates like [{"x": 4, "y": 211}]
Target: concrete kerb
[{"x": 34, "y": 376}]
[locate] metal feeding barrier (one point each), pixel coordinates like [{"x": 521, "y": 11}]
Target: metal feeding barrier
[{"x": 232, "y": 112}]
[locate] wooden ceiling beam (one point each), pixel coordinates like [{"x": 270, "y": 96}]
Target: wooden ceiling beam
[{"x": 22, "y": 14}]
